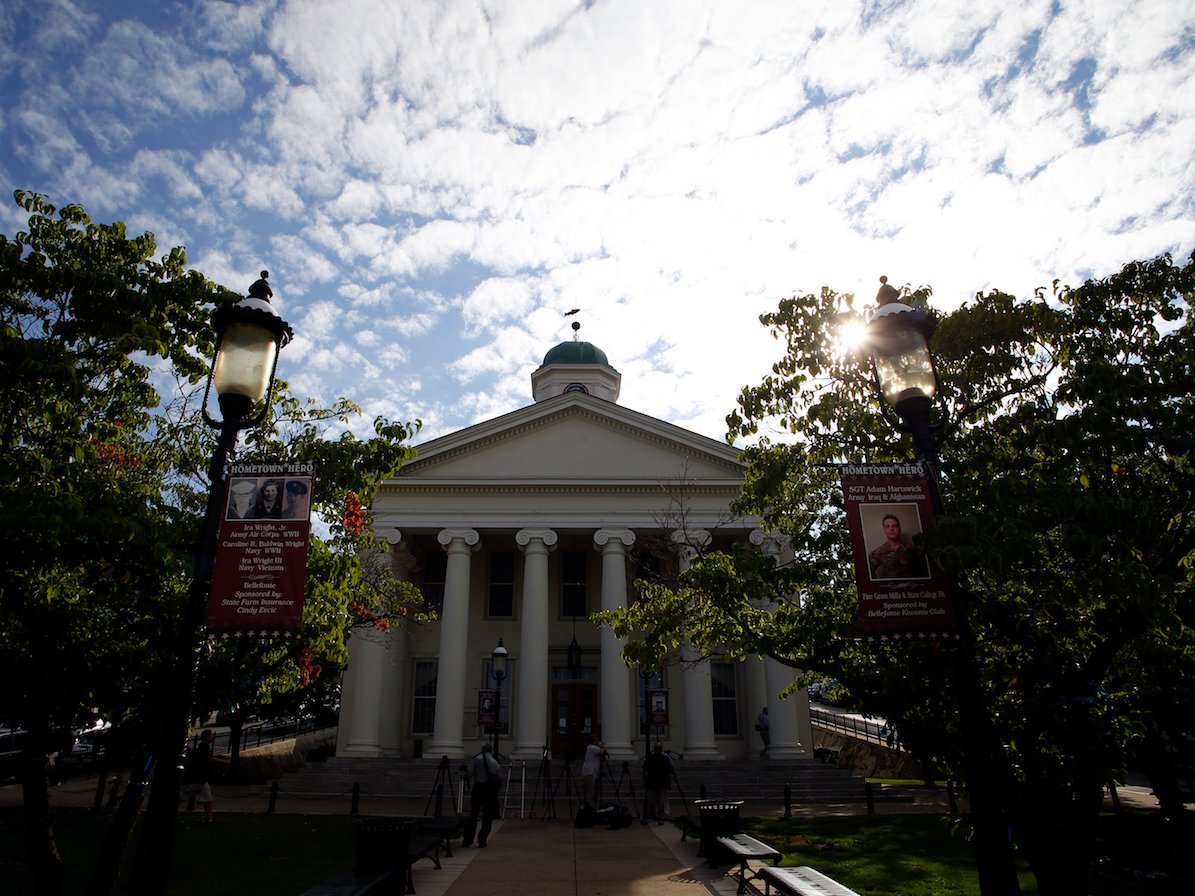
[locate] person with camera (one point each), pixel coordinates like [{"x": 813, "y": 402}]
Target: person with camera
[
  {"x": 591, "y": 769},
  {"x": 484, "y": 773}
]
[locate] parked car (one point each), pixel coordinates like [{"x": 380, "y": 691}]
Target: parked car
[
  {"x": 87, "y": 749},
  {"x": 12, "y": 741}
]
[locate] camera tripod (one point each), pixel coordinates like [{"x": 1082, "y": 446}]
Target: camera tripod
[
  {"x": 608, "y": 775},
  {"x": 437, "y": 791},
  {"x": 543, "y": 778}
]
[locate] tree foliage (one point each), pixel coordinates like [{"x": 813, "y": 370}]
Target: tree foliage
[
  {"x": 1066, "y": 469},
  {"x": 103, "y": 466}
]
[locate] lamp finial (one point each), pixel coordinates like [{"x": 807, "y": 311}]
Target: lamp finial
[{"x": 887, "y": 294}]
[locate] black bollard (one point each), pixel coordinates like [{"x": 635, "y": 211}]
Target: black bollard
[
  {"x": 788, "y": 800},
  {"x": 356, "y": 799},
  {"x": 270, "y": 809},
  {"x": 703, "y": 795},
  {"x": 100, "y": 783},
  {"x": 951, "y": 798},
  {"x": 871, "y": 802},
  {"x": 112, "y": 794}
]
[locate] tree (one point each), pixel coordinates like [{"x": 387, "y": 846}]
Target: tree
[
  {"x": 1067, "y": 476},
  {"x": 102, "y": 486}
]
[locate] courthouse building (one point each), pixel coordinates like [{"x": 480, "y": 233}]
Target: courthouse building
[{"x": 516, "y": 530}]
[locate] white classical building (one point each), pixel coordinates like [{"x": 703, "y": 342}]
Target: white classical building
[{"x": 516, "y": 530}]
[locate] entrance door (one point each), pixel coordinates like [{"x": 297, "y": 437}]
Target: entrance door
[{"x": 574, "y": 718}]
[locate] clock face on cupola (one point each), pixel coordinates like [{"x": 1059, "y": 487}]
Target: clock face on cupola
[{"x": 576, "y": 366}]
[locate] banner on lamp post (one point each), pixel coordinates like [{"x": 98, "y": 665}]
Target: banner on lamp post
[
  {"x": 657, "y": 707},
  {"x": 487, "y": 708},
  {"x": 901, "y": 593},
  {"x": 261, "y": 556}
]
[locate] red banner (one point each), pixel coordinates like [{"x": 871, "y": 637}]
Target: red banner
[
  {"x": 657, "y": 707},
  {"x": 487, "y": 708},
  {"x": 261, "y": 556},
  {"x": 901, "y": 593}
]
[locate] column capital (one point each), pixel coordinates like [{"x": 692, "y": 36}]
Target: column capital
[
  {"x": 400, "y": 549},
  {"x": 769, "y": 543},
  {"x": 688, "y": 543},
  {"x": 525, "y": 538},
  {"x": 468, "y": 538},
  {"x": 613, "y": 539},
  {"x": 694, "y": 539}
]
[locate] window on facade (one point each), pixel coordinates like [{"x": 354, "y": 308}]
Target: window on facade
[
  {"x": 423, "y": 702},
  {"x": 508, "y": 687},
  {"x": 502, "y": 584},
  {"x": 435, "y": 571},
  {"x": 726, "y": 706},
  {"x": 655, "y": 682},
  {"x": 574, "y": 575}
]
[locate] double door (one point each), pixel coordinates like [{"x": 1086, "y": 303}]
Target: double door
[{"x": 574, "y": 719}]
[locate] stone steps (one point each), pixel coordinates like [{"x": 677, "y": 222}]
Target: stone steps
[{"x": 750, "y": 779}]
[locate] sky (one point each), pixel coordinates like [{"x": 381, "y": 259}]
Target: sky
[{"x": 432, "y": 185}]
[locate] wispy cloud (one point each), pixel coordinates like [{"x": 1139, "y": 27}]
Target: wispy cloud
[{"x": 431, "y": 185}]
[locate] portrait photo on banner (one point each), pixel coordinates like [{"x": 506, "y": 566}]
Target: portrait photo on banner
[
  {"x": 888, "y": 532},
  {"x": 268, "y": 498}
]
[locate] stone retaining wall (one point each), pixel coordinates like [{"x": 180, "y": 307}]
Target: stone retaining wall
[
  {"x": 868, "y": 760},
  {"x": 271, "y": 761}
]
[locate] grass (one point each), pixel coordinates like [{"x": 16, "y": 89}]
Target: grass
[
  {"x": 894, "y": 855},
  {"x": 922, "y": 855},
  {"x": 239, "y": 853}
]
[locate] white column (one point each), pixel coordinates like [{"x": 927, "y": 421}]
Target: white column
[
  {"x": 372, "y": 689},
  {"x": 367, "y": 655},
  {"x": 402, "y": 564},
  {"x": 792, "y": 733},
  {"x": 699, "y": 698},
  {"x": 531, "y": 705},
  {"x": 615, "y": 684},
  {"x": 448, "y": 738}
]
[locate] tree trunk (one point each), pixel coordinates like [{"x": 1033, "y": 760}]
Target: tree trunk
[
  {"x": 1057, "y": 832},
  {"x": 44, "y": 859},
  {"x": 116, "y": 838}
]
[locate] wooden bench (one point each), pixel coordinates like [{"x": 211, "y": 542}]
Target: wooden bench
[
  {"x": 448, "y": 827},
  {"x": 801, "y": 881},
  {"x": 359, "y": 883},
  {"x": 743, "y": 848}
]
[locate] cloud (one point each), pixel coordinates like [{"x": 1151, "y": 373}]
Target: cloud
[{"x": 432, "y": 185}]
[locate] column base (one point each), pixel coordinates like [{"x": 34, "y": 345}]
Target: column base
[
  {"x": 788, "y": 752},
  {"x": 705, "y": 753},
  {"x": 453, "y": 751},
  {"x": 368, "y": 751}
]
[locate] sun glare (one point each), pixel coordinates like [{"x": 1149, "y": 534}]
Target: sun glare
[{"x": 850, "y": 335}]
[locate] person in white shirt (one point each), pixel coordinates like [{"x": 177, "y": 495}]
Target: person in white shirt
[
  {"x": 591, "y": 769},
  {"x": 483, "y": 772}
]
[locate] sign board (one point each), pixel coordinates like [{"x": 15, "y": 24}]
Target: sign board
[
  {"x": 261, "y": 556},
  {"x": 657, "y": 707},
  {"x": 487, "y": 708},
  {"x": 901, "y": 593}
]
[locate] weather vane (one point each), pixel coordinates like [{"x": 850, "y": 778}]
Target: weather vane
[{"x": 576, "y": 323}]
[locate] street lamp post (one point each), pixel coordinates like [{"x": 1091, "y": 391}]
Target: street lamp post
[
  {"x": 907, "y": 381},
  {"x": 499, "y": 658},
  {"x": 249, "y": 336}
]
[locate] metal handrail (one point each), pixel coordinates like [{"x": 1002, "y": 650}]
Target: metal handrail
[{"x": 865, "y": 729}]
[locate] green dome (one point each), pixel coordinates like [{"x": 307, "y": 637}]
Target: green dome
[{"x": 576, "y": 353}]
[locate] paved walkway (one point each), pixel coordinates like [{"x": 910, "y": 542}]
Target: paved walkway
[{"x": 537, "y": 857}]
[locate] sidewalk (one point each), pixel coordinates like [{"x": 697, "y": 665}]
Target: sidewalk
[{"x": 539, "y": 857}]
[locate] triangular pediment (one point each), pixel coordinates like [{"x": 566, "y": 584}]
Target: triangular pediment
[{"x": 574, "y": 437}]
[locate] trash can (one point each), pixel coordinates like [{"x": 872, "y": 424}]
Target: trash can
[{"x": 719, "y": 818}]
